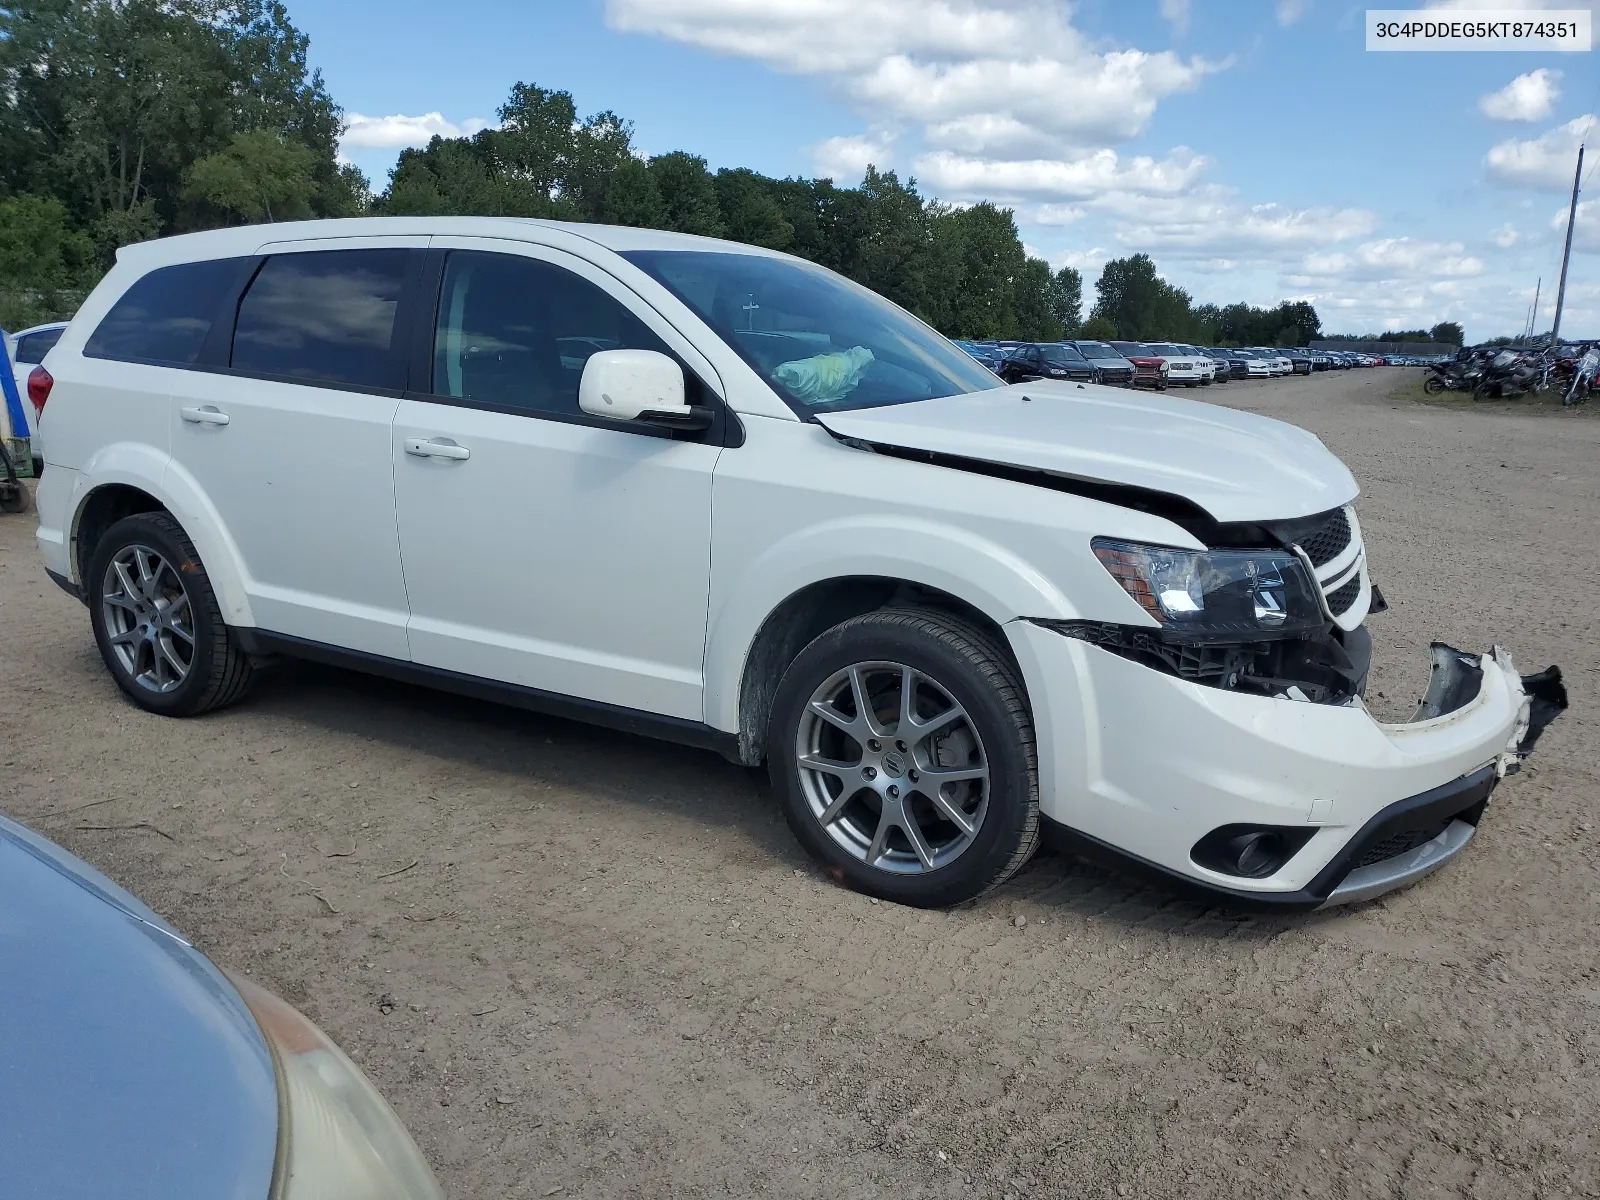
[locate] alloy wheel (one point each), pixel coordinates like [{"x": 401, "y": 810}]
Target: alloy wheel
[
  {"x": 148, "y": 618},
  {"x": 892, "y": 767}
]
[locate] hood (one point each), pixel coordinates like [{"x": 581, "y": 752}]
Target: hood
[
  {"x": 1237, "y": 466},
  {"x": 132, "y": 1068}
]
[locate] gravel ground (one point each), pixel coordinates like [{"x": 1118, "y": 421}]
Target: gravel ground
[{"x": 582, "y": 964}]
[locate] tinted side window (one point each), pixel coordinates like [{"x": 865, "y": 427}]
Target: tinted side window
[
  {"x": 325, "y": 316},
  {"x": 35, "y": 346},
  {"x": 515, "y": 332},
  {"x": 165, "y": 316}
]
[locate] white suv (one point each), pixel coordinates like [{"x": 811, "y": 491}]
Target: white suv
[{"x": 719, "y": 495}]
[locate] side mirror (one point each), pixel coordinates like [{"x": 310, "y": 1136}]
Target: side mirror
[{"x": 638, "y": 385}]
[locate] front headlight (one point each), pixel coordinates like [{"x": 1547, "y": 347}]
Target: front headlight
[
  {"x": 337, "y": 1137},
  {"x": 1216, "y": 594}
]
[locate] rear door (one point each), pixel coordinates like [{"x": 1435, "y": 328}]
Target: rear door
[
  {"x": 289, "y": 438},
  {"x": 544, "y": 547}
]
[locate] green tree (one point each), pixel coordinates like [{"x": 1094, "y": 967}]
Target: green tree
[
  {"x": 632, "y": 198},
  {"x": 1450, "y": 333},
  {"x": 750, "y": 212},
  {"x": 1032, "y": 292},
  {"x": 259, "y": 177},
  {"x": 107, "y": 105},
  {"x": 1098, "y": 329},
  {"x": 45, "y": 264},
  {"x": 1066, "y": 299},
  {"x": 688, "y": 193}
]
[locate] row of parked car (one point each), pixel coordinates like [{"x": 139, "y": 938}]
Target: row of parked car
[{"x": 1154, "y": 364}]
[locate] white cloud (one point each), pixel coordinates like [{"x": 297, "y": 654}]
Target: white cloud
[
  {"x": 1544, "y": 162},
  {"x": 1059, "y": 214},
  {"x": 1079, "y": 178},
  {"x": 1290, "y": 11},
  {"x": 1176, "y": 13},
  {"x": 1506, "y": 236},
  {"x": 399, "y": 131},
  {"x": 1585, "y": 230},
  {"x": 1399, "y": 259},
  {"x": 1210, "y": 222},
  {"x": 987, "y": 77},
  {"x": 846, "y": 159},
  {"x": 1528, "y": 97}
]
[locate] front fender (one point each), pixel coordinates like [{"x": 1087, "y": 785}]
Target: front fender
[
  {"x": 990, "y": 578},
  {"x": 155, "y": 472}
]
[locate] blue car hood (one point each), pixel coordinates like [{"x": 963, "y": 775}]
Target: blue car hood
[{"x": 129, "y": 1066}]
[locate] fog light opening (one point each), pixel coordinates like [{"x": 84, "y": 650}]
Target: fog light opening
[{"x": 1250, "y": 851}]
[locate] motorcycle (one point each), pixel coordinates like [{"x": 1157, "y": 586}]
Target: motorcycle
[
  {"x": 1508, "y": 375},
  {"x": 1453, "y": 376},
  {"x": 1583, "y": 378}
]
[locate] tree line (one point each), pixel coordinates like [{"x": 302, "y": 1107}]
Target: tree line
[{"x": 122, "y": 121}]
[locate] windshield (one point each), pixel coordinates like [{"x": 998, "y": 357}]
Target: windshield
[
  {"x": 1164, "y": 348},
  {"x": 1060, "y": 352},
  {"x": 1096, "y": 350},
  {"x": 823, "y": 343},
  {"x": 1133, "y": 349}
]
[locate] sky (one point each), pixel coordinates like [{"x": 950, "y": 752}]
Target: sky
[{"x": 1254, "y": 149}]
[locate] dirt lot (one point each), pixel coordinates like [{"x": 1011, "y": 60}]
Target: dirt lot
[{"x": 613, "y": 974}]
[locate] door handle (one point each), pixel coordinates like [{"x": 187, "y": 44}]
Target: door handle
[
  {"x": 207, "y": 414},
  {"x": 424, "y": 448}
]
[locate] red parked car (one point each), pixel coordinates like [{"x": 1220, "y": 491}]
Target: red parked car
[{"x": 1149, "y": 369}]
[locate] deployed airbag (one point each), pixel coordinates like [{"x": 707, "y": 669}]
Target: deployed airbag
[{"x": 824, "y": 378}]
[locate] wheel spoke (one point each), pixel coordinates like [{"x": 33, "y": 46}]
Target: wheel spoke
[
  {"x": 834, "y": 717},
  {"x": 839, "y": 770},
  {"x": 922, "y": 729},
  {"x": 126, "y": 638},
  {"x": 913, "y": 832},
  {"x": 123, "y": 603},
  {"x": 880, "y": 837},
  {"x": 864, "y": 712},
  {"x": 130, "y": 590},
  {"x": 935, "y": 776},
  {"x": 176, "y": 665},
  {"x": 952, "y": 811},
  {"x": 838, "y": 804},
  {"x": 147, "y": 575}
]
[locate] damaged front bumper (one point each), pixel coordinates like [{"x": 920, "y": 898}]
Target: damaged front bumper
[{"x": 1146, "y": 767}]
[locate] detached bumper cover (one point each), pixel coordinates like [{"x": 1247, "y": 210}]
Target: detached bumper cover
[{"x": 1141, "y": 765}]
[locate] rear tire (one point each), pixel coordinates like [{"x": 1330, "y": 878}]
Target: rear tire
[
  {"x": 852, "y": 780},
  {"x": 157, "y": 621},
  {"x": 1433, "y": 386}
]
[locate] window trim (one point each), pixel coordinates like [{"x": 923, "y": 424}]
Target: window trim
[{"x": 726, "y": 429}]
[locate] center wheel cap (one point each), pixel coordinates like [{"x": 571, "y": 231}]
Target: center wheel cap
[{"x": 894, "y": 765}]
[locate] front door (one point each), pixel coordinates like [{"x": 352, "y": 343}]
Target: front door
[{"x": 544, "y": 547}]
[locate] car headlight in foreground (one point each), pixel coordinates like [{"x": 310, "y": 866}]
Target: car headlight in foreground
[
  {"x": 1218, "y": 595},
  {"x": 338, "y": 1139}
]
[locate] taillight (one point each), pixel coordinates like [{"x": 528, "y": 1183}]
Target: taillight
[{"x": 40, "y": 382}]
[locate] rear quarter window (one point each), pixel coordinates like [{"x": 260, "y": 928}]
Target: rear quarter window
[
  {"x": 33, "y": 347},
  {"x": 165, "y": 317}
]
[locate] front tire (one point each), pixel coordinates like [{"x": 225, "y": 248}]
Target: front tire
[
  {"x": 1433, "y": 386},
  {"x": 902, "y": 751},
  {"x": 157, "y": 621}
]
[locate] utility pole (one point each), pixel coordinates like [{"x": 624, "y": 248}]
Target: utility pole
[
  {"x": 1533, "y": 315},
  {"x": 1561, "y": 288}
]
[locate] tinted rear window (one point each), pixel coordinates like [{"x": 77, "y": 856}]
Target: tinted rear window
[
  {"x": 165, "y": 316},
  {"x": 35, "y": 346},
  {"x": 326, "y": 316}
]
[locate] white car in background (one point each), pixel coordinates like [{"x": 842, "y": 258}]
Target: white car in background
[
  {"x": 1188, "y": 367},
  {"x": 27, "y": 348},
  {"x": 1277, "y": 362},
  {"x": 1257, "y": 364}
]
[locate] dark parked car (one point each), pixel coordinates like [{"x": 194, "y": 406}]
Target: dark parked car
[
  {"x": 1299, "y": 360},
  {"x": 989, "y": 355},
  {"x": 1046, "y": 360},
  {"x": 1113, "y": 368}
]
